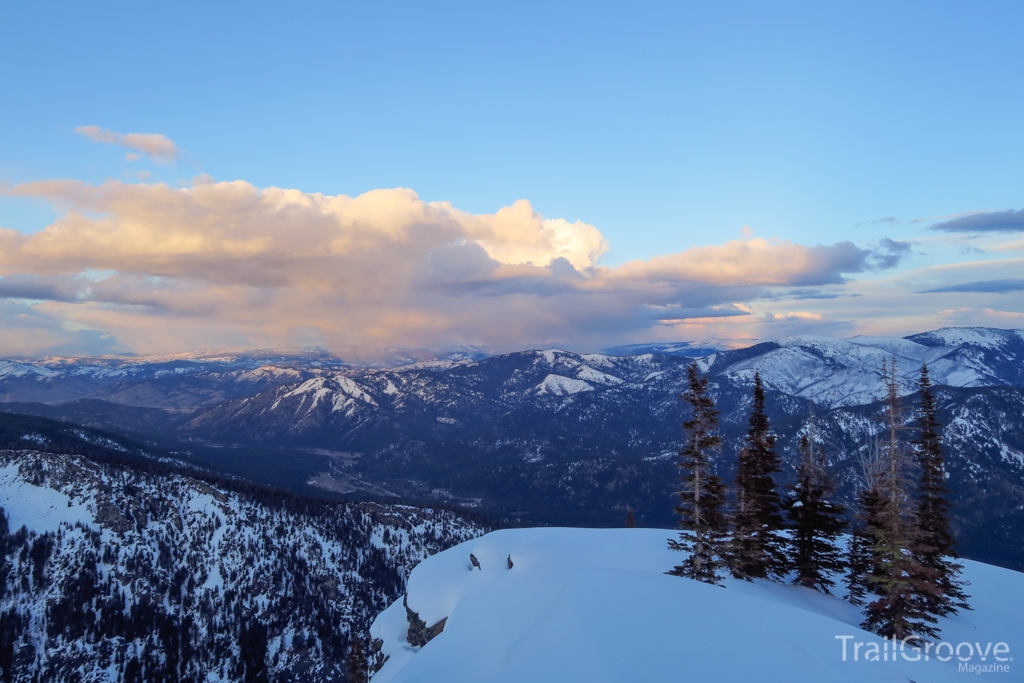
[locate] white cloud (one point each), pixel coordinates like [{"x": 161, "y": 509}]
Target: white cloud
[
  {"x": 227, "y": 263},
  {"x": 156, "y": 145}
]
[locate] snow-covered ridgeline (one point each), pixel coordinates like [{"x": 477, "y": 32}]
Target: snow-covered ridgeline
[
  {"x": 830, "y": 372},
  {"x": 595, "y": 605}
]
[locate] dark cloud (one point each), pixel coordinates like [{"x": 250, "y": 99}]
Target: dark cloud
[
  {"x": 981, "y": 286},
  {"x": 989, "y": 221},
  {"x": 38, "y": 288},
  {"x": 888, "y": 254}
]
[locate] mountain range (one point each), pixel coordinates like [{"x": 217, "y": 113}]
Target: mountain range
[{"x": 552, "y": 436}]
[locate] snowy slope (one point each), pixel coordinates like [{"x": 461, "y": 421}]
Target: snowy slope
[
  {"x": 595, "y": 605},
  {"x": 846, "y": 372},
  {"x": 106, "y": 564}
]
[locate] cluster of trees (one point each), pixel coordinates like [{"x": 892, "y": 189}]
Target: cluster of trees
[{"x": 899, "y": 564}]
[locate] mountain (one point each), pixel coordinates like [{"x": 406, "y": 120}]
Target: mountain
[
  {"x": 564, "y": 438},
  {"x": 596, "y": 605},
  {"x": 142, "y": 570},
  {"x": 556, "y": 437},
  {"x": 830, "y": 373},
  {"x": 174, "y": 384},
  {"x": 181, "y": 384}
]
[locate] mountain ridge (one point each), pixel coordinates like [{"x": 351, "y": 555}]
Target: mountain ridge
[{"x": 556, "y": 437}]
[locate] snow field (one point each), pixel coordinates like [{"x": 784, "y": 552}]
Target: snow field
[{"x": 595, "y": 605}]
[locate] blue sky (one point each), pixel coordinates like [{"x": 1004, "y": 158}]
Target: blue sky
[{"x": 664, "y": 126}]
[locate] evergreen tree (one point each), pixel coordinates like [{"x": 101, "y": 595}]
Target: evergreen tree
[
  {"x": 858, "y": 560},
  {"x": 904, "y": 585},
  {"x": 702, "y": 522},
  {"x": 630, "y": 519},
  {"x": 900, "y": 580},
  {"x": 757, "y": 548},
  {"x": 252, "y": 651},
  {"x": 934, "y": 539},
  {"x": 356, "y": 665},
  {"x": 861, "y": 557},
  {"x": 817, "y": 523}
]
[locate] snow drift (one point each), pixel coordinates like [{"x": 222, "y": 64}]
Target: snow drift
[{"x": 595, "y": 605}]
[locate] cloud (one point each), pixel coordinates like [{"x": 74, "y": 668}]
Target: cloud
[
  {"x": 163, "y": 269},
  {"x": 801, "y": 294},
  {"x": 985, "y": 221},
  {"x": 38, "y": 288},
  {"x": 983, "y": 286},
  {"x": 793, "y": 315},
  {"x": 34, "y": 330},
  {"x": 156, "y": 145},
  {"x": 888, "y": 253},
  {"x": 753, "y": 262}
]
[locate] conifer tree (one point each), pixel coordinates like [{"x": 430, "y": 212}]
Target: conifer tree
[
  {"x": 757, "y": 549},
  {"x": 900, "y": 580},
  {"x": 858, "y": 561},
  {"x": 356, "y": 665},
  {"x": 935, "y": 545},
  {"x": 862, "y": 559},
  {"x": 701, "y": 497},
  {"x": 817, "y": 523}
]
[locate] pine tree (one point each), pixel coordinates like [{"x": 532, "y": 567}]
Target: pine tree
[
  {"x": 934, "y": 539},
  {"x": 758, "y": 549},
  {"x": 817, "y": 523},
  {"x": 702, "y": 522},
  {"x": 861, "y": 557},
  {"x": 900, "y": 581},
  {"x": 630, "y": 519},
  {"x": 858, "y": 560},
  {"x": 356, "y": 664}
]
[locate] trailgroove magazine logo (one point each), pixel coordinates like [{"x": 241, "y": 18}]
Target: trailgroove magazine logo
[{"x": 975, "y": 658}]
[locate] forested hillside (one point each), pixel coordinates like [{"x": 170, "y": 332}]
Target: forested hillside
[{"x": 144, "y": 571}]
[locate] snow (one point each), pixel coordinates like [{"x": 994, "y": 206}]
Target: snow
[
  {"x": 39, "y": 508},
  {"x": 559, "y": 385},
  {"x": 983, "y": 337},
  {"x": 595, "y": 605},
  {"x": 589, "y": 374},
  {"x": 342, "y": 392},
  {"x": 549, "y": 355},
  {"x": 846, "y": 372}
]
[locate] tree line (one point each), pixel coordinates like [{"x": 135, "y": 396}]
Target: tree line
[{"x": 898, "y": 562}]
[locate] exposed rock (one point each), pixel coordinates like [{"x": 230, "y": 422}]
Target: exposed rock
[
  {"x": 419, "y": 633},
  {"x": 109, "y": 516},
  {"x": 377, "y": 658}
]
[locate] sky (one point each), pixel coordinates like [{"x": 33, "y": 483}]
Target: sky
[{"x": 209, "y": 176}]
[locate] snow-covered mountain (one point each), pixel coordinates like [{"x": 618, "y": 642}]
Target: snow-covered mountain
[
  {"x": 556, "y": 437},
  {"x": 177, "y": 384},
  {"x": 596, "y": 605},
  {"x": 846, "y": 372},
  {"x": 111, "y": 571},
  {"x": 560, "y": 437},
  {"x": 828, "y": 372},
  {"x": 185, "y": 382}
]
